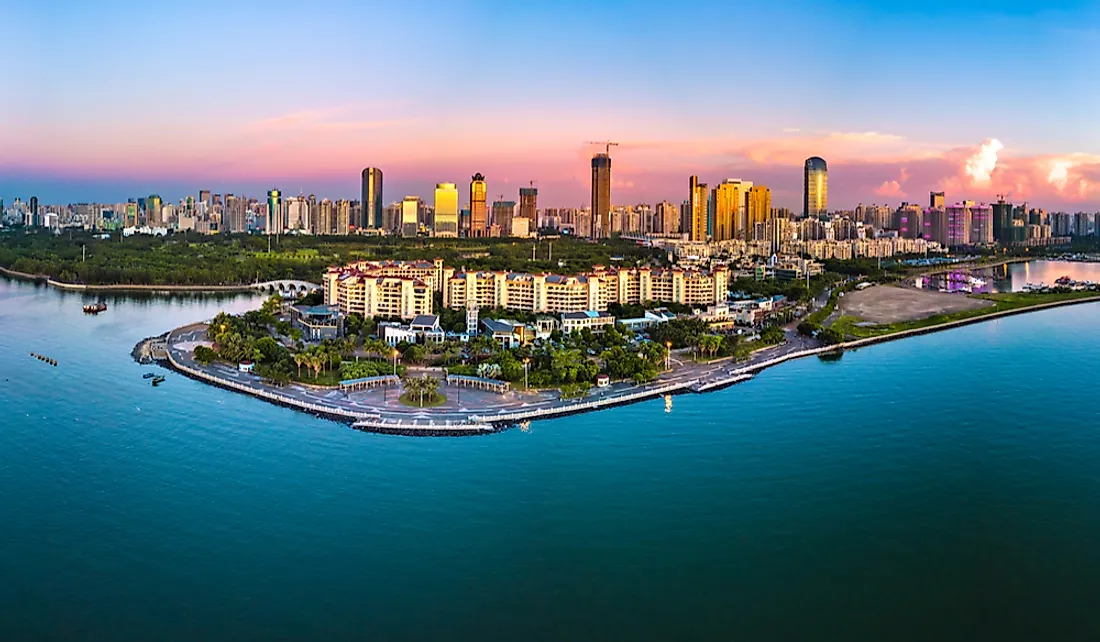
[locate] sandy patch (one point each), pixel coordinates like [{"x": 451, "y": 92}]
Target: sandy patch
[{"x": 890, "y": 304}]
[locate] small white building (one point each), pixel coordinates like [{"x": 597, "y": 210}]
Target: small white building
[{"x": 591, "y": 319}]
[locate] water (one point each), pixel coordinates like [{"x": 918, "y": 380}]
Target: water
[
  {"x": 938, "y": 488},
  {"x": 1009, "y": 278}
]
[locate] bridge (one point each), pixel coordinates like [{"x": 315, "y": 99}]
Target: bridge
[{"x": 287, "y": 286}]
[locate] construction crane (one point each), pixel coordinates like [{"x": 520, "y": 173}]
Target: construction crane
[{"x": 606, "y": 143}]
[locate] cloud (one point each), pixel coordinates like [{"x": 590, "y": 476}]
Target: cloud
[
  {"x": 980, "y": 166},
  {"x": 890, "y": 189}
]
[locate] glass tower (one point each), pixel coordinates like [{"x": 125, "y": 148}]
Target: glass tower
[{"x": 815, "y": 187}]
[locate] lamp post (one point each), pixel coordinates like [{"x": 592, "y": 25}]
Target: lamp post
[
  {"x": 526, "y": 362},
  {"x": 395, "y": 353},
  {"x": 668, "y": 355}
]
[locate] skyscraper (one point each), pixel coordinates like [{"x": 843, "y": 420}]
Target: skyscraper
[
  {"x": 445, "y": 222},
  {"x": 528, "y": 205},
  {"x": 815, "y": 187},
  {"x": 667, "y": 220},
  {"x": 479, "y": 214},
  {"x": 758, "y": 208},
  {"x": 1002, "y": 222},
  {"x": 372, "y": 199},
  {"x": 342, "y": 217},
  {"x": 601, "y": 195},
  {"x": 236, "y": 214},
  {"x": 35, "y": 221},
  {"x": 274, "y": 213},
  {"x": 410, "y": 209},
  {"x": 727, "y": 201},
  {"x": 204, "y": 197},
  {"x": 152, "y": 210},
  {"x": 936, "y": 199},
  {"x": 697, "y": 208}
]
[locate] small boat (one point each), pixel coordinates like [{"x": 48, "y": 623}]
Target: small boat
[
  {"x": 148, "y": 375},
  {"x": 95, "y": 308},
  {"x": 157, "y": 380}
]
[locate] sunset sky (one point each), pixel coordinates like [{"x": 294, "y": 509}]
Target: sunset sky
[{"x": 117, "y": 98}]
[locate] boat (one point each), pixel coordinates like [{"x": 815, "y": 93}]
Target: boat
[
  {"x": 95, "y": 308},
  {"x": 157, "y": 380},
  {"x": 148, "y": 375}
]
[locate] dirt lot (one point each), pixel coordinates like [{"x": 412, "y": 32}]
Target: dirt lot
[{"x": 890, "y": 304}]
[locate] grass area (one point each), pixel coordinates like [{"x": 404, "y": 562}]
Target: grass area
[
  {"x": 413, "y": 400},
  {"x": 1003, "y": 302}
]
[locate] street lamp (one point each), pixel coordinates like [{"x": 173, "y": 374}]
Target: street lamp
[
  {"x": 526, "y": 362},
  {"x": 395, "y": 353},
  {"x": 668, "y": 354}
]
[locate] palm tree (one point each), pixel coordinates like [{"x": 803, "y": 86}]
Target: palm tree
[
  {"x": 429, "y": 385},
  {"x": 414, "y": 385},
  {"x": 299, "y": 359}
]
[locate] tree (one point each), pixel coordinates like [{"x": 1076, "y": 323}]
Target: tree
[{"x": 299, "y": 360}]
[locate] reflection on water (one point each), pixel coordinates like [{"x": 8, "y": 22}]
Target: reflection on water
[{"x": 1009, "y": 278}]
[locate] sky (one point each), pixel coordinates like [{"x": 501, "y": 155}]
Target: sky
[{"x": 113, "y": 99}]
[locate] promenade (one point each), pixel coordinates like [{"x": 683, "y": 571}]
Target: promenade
[{"x": 466, "y": 411}]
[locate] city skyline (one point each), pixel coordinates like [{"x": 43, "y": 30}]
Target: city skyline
[{"x": 881, "y": 146}]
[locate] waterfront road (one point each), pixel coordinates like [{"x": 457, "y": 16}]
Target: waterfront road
[{"x": 464, "y": 404}]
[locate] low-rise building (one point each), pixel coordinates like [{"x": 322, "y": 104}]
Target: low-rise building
[
  {"x": 648, "y": 320},
  {"x": 594, "y": 320},
  {"x": 317, "y": 322},
  {"x": 508, "y": 333}
]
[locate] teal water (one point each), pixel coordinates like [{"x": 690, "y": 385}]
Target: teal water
[{"x": 941, "y": 487}]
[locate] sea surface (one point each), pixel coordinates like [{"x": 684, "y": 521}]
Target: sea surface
[{"x": 943, "y": 487}]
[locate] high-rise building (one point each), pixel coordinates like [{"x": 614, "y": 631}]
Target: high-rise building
[
  {"x": 936, "y": 199},
  {"x": 371, "y": 199},
  {"x": 727, "y": 202},
  {"x": 341, "y": 215},
  {"x": 152, "y": 209},
  {"x": 528, "y": 205},
  {"x": 131, "y": 214},
  {"x": 297, "y": 213},
  {"x": 236, "y": 214},
  {"x": 815, "y": 187},
  {"x": 274, "y": 213},
  {"x": 758, "y": 207},
  {"x": 35, "y": 220},
  {"x": 479, "y": 211},
  {"x": 410, "y": 210},
  {"x": 668, "y": 218},
  {"x": 445, "y": 222},
  {"x": 601, "y": 196},
  {"x": 697, "y": 208},
  {"x": 503, "y": 212},
  {"x": 326, "y": 221},
  {"x": 981, "y": 224},
  {"x": 204, "y": 197},
  {"x": 1002, "y": 222},
  {"x": 958, "y": 224}
]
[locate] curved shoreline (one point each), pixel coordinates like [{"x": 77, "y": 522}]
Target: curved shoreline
[
  {"x": 488, "y": 422},
  {"x": 132, "y": 287}
]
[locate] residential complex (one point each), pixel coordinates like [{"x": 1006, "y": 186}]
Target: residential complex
[{"x": 595, "y": 290}]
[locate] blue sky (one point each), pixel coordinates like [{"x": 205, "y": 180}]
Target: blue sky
[{"x": 117, "y": 98}]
